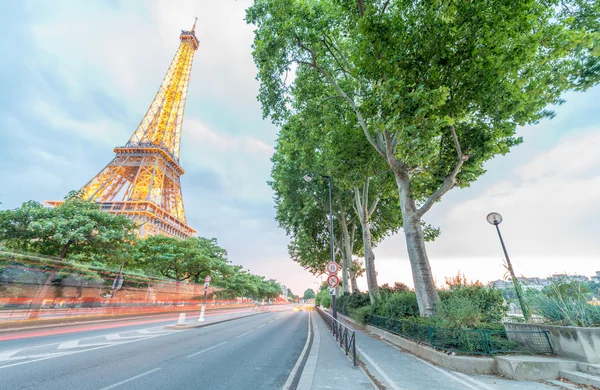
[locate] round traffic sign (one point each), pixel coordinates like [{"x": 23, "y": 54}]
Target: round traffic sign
[
  {"x": 333, "y": 280},
  {"x": 207, "y": 279},
  {"x": 332, "y": 268}
]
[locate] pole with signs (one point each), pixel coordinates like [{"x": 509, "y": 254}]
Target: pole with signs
[
  {"x": 206, "y": 284},
  {"x": 333, "y": 281}
]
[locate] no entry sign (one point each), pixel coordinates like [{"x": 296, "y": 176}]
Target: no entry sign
[
  {"x": 333, "y": 280},
  {"x": 332, "y": 268}
]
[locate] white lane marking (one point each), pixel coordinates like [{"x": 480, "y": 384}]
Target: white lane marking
[
  {"x": 116, "y": 336},
  {"x": 260, "y": 326},
  {"x": 130, "y": 379},
  {"x": 474, "y": 381},
  {"x": 68, "y": 344},
  {"x": 243, "y": 334},
  {"x": 447, "y": 373},
  {"x": 389, "y": 381},
  {"x": 80, "y": 351},
  {"x": 207, "y": 349},
  {"x": 270, "y": 321},
  {"x": 7, "y": 354},
  {"x": 290, "y": 379}
]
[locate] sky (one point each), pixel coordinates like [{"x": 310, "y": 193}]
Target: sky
[{"x": 77, "y": 77}]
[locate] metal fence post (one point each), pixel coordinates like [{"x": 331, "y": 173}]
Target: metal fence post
[{"x": 430, "y": 331}]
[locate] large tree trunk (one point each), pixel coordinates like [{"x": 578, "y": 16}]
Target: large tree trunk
[
  {"x": 427, "y": 297},
  {"x": 347, "y": 248},
  {"x": 364, "y": 215},
  {"x": 370, "y": 263}
]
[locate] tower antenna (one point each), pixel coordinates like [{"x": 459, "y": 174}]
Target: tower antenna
[{"x": 194, "y": 26}]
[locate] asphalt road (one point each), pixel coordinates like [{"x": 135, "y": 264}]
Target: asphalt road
[{"x": 256, "y": 352}]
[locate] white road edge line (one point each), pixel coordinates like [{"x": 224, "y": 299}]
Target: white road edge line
[
  {"x": 474, "y": 381},
  {"x": 389, "y": 381},
  {"x": 207, "y": 349},
  {"x": 243, "y": 334},
  {"x": 290, "y": 379},
  {"x": 130, "y": 379}
]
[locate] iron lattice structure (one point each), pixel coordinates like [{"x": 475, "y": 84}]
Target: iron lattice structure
[{"x": 143, "y": 180}]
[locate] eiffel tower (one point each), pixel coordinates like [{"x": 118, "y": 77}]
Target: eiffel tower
[{"x": 142, "y": 181}]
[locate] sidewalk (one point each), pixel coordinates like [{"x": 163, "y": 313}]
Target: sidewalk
[
  {"x": 398, "y": 370},
  {"x": 327, "y": 367}
]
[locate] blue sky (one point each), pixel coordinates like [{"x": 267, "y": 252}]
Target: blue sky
[{"x": 77, "y": 78}]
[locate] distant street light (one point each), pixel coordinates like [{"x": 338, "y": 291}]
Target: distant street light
[
  {"x": 495, "y": 219},
  {"x": 308, "y": 178}
]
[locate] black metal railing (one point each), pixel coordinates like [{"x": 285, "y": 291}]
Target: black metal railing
[
  {"x": 467, "y": 341},
  {"x": 343, "y": 334}
]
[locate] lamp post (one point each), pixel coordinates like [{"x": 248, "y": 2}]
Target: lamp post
[
  {"x": 308, "y": 178},
  {"x": 495, "y": 219}
]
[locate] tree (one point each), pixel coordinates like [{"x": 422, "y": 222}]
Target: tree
[
  {"x": 309, "y": 294},
  {"x": 76, "y": 226},
  {"x": 437, "y": 88}
]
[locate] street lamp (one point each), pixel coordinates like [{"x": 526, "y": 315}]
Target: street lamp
[
  {"x": 495, "y": 219},
  {"x": 308, "y": 178}
]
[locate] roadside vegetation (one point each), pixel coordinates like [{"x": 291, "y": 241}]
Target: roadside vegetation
[
  {"x": 78, "y": 244},
  {"x": 391, "y": 105}
]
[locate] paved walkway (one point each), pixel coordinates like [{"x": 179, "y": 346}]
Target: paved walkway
[
  {"x": 327, "y": 367},
  {"x": 398, "y": 370}
]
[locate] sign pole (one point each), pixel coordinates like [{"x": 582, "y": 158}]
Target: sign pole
[{"x": 206, "y": 284}]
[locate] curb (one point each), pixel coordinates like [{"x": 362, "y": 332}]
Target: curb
[{"x": 183, "y": 327}]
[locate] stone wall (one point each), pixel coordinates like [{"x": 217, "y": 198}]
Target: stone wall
[{"x": 582, "y": 344}]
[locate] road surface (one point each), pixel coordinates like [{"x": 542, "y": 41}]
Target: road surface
[{"x": 256, "y": 352}]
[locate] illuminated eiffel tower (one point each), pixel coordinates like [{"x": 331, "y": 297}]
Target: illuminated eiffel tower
[{"x": 142, "y": 181}]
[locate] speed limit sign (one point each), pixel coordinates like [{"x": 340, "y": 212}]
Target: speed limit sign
[{"x": 332, "y": 268}]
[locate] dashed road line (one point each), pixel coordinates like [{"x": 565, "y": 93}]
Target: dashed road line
[
  {"x": 207, "y": 349},
  {"x": 260, "y": 326},
  {"x": 243, "y": 334},
  {"x": 130, "y": 379}
]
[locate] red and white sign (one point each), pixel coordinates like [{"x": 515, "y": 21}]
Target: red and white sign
[
  {"x": 332, "y": 268},
  {"x": 333, "y": 280},
  {"x": 207, "y": 279}
]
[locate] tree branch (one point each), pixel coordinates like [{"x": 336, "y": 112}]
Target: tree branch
[
  {"x": 361, "y": 7},
  {"x": 449, "y": 182},
  {"x": 384, "y": 8},
  {"x": 456, "y": 144},
  {"x": 373, "y": 206},
  {"x": 342, "y": 93}
]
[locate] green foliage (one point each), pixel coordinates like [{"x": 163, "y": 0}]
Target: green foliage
[
  {"x": 396, "y": 288},
  {"x": 74, "y": 227},
  {"x": 468, "y": 304},
  {"x": 360, "y": 314},
  {"x": 565, "y": 303},
  {"x": 397, "y": 305},
  {"x": 309, "y": 294},
  {"x": 437, "y": 89},
  {"x": 323, "y": 299},
  {"x": 347, "y": 302}
]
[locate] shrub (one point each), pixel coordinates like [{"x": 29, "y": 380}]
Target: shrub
[
  {"x": 348, "y": 302},
  {"x": 360, "y": 314},
  {"x": 397, "y": 305},
  {"x": 460, "y": 312},
  {"x": 564, "y": 303},
  {"x": 488, "y": 301}
]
